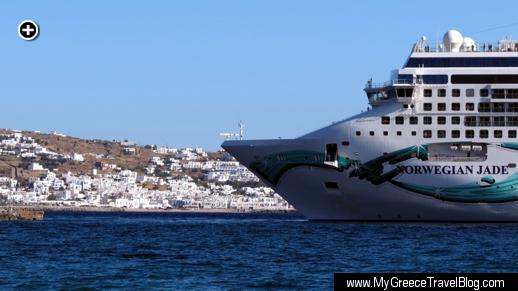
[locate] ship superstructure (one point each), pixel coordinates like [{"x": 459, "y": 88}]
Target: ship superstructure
[{"x": 439, "y": 143}]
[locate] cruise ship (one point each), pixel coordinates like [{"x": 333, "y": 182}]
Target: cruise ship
[{"x": 438, "y": 143}]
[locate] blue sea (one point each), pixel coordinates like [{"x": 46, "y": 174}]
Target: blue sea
[{"x": 235, "y": 251}]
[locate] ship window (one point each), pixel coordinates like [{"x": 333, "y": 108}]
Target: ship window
[
  {"x": 498, "y": 107},
  {"x": 331, "y": 185},
  {"x": 441, "y": 120},
  {"x": 427, "y": 133},
  {"x": 441, "y": 93},
  {"x": 498, "y": 121},
  {"x": 497, "y": 134},
  {"x": 427, "y": 106},
  {"x": 498, "y": 93},
  {"x": 345, "y": 143},
  {"x": 358, "y": 133},
  {"x": 413, "y": 119},
  {"x": 441, "y": 106},
  {"x": 470, "y": 92},
  {"x": 470, "y": 133},
  {"x": 455, "y": 106},
  {"x": 385, "y": 120},
  {"x": 470, "y": 106},
  {"x": 455, "y": 120},
  {"x": 400, "y": 120},
  {"x": 512, "y": 120},
  {"x": 486, "y": 79},
  {"x": 405, "y": 105},
  {"x": 407, "y": 78},
  {"x": 512, "y": 107},
  {"x": 404, "y": 92},
  {"x": 414, "y": 133},
  {"x": 484, "y": 92},
  {"x": 331, "y": 152},
  {"x": 512, "y": 93},
  {"x": 441, "y": 133},
  {"x": 484, "y": 133},
  {"x": 511, "y": 133},
  {"x": 435, "y": 79},
  {"x": 371, "y": 133},
  {"x": 484, "y": 121},
  {"x": 427, "y": 92},
  {"x": 427, "y": 120},
  {"x": 385, "y": 133},
  {"x": 455, "y": 133},
  {"x": 455, "y": 92},
  {"x": 470, "y": 121},
  {"x": 398, "y": 133},
  {"x": 484, "y": 107}
]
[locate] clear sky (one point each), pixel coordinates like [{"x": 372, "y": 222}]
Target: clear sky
[{"x": 178, "y": 73}]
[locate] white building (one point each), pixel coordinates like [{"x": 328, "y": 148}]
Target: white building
[
  {"x": 77, "y": 157},
  {"x": 35, "y": 167}
]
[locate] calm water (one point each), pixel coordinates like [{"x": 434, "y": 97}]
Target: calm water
[{"x": 235, "y": 251}]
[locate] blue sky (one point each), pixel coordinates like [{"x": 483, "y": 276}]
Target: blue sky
[{"x": 178, "y": 73}]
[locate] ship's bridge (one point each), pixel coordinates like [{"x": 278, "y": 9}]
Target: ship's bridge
[{"x": 400, "y": 89}]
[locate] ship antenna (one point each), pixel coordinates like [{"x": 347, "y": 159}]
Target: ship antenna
[
  {"x": 495, "y": 28},
  {"x": 238, "y": 135}
]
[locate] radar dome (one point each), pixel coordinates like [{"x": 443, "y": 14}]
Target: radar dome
[
  {"x": 452, "y": 40},
  {"x": 468, "y": 44}
]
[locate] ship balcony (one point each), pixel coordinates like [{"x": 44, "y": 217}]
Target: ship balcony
[{"x": 501, "y": 94}]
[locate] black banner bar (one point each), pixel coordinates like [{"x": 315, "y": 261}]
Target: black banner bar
[{"x": 434, "y": 281}]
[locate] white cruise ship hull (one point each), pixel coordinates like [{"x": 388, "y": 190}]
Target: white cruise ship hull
[
  {"x": 321, "y": 191},
  {"x": 356, "y": 202}
]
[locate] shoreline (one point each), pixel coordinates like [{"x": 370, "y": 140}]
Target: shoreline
[{"x": 48, "y": 208}]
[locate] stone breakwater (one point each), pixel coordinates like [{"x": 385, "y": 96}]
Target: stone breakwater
[{"x": 20, "y": 214}]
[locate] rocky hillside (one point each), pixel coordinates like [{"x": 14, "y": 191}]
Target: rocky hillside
[{"x": 95, "y": 153}]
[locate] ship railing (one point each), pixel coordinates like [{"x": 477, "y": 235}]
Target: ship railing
[
  {"x": 501, "y": 46},
  {"x": 371, "y": 85}
]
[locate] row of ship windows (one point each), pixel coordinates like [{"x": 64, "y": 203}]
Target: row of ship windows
[
  {"x": 495, "y": 93},
  {"x": 454, "y": 106},
  {"x": 415, "y": 120},
  {"x": 482, "y": 107},
  {"x": 483, "y": 133},
  {"x": 455, "y": 93},
  {"x": 491, "y": 121},
  {"x": 468, "y": 120}
]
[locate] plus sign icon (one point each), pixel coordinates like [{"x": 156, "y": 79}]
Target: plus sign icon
[{"x": 28, "y": 30}]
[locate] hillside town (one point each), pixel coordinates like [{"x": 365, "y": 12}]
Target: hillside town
[{"x": 55, "y": 170}]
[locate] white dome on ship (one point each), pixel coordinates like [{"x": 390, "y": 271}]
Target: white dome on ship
[
  {"x": 468, "y": 44},
  {"x": 452, "y": 40}
]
